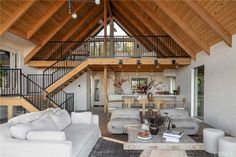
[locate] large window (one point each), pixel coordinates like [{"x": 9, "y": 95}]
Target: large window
[
  {"x": 199, "y": 92},
  {"x": 137, "y": 82}
]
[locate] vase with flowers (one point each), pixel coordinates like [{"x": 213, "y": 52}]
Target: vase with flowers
[
  {"x": 155, "y": 123},
  {"x": 117, "y": 83}
]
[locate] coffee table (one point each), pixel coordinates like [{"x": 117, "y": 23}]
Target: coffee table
[{"x": 159, "y": 143}]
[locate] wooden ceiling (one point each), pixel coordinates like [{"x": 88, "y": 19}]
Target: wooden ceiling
[{"x": 194, "y": 25}]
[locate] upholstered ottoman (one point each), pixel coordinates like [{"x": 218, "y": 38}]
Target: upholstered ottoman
[
  {"x": 210, "y": 139},
  {"x": 188, "y": 126},
  {"x": 122, "y": 118},
  {"x": 227, "y": 147}
]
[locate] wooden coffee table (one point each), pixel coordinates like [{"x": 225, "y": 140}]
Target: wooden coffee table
[{"x": 159, "y": 143}]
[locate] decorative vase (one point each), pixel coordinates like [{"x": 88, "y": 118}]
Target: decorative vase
[{"x": 154, "y": 129}]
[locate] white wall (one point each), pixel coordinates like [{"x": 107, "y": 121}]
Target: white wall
[
  {"x": 80, "y": 89},
  {"x": 219, "y": 87}
]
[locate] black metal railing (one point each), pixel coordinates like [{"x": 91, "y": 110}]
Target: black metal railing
[
  {"x": 58, "y": 96},
  {"x": 117, "y": 46},
  {"x": 14, "y": 83},
  {"x": 58, "y": 70}
]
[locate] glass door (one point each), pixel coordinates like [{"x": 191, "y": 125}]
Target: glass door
[{"x": 199, "y": 92}]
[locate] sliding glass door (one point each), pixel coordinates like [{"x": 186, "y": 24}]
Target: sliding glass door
[{"x": 199, "y": 92}]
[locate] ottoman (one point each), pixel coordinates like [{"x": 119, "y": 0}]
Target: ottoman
[
  {"x": 210, "y": 139},
  {"x": 188, "y": 126},
  {"x": 227, "y": 147}
]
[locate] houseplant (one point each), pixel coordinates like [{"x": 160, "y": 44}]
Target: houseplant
[{"x": 155, "y": 123}]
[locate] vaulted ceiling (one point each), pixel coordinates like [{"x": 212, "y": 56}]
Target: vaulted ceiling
[{"x": 194, "y": 25}]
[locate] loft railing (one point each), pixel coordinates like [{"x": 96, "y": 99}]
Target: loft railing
[
  {"x": 117, "y": 46},
  {"x": 14, "y": 83}
]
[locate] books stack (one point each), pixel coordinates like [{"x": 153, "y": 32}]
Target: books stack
[{"x": 172, "y": 136}]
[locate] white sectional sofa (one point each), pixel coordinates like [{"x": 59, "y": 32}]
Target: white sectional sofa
[{"x": 49, "y": 133}]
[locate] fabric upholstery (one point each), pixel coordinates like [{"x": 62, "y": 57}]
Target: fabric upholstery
[
  {"x": 44, "y": 123},
  {"x": 46, "y": 136},
  {"x": 83, "y": 117},
  {"x": 189, "y": 126},
  {"x": 122, "y": 118},
  {"x": 61, "y": 119},
  {"x": 176, "y": 113}
]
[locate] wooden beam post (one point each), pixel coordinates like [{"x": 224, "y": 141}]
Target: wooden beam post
[
  {"x": 105, "y": 28},
  {"x": 174, "y": 17},
  {"x": 9, "y": 112},
  {"x": 105, "y": 89},
  {"x": 15, "y": 16},
  {"x": 218, "y": 28}
]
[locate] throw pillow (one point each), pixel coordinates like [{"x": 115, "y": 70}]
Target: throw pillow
[
  {"x": 44, "y": 123},
  {"x": 84, "y": 117},
  {"x": 61, "y": 119},
  {"x": 46, "y": 136}
]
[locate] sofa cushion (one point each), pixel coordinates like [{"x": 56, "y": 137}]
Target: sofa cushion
[
  {"x": 61, "y": 119},
  {"x": 46, "y": 136},
  {"x": 176, "y": 113},
  {"x": 44, "y": 123},
  {"x": 28, "y": 117},
  {"x": 80, "y": 135},
  {"x": 84, "y": 117},
  {"x": 125, "y": 113}
]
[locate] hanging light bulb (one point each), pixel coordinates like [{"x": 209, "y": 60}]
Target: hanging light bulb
[
  {"x": 176, "y": 66},
  {"x": 74, "y": 15},
  {"x": 97, "y": 2},
  {"x": 158, "y": 66},
  {"x": 122, "y": 74},
  {"x": 139, "y": 66}
]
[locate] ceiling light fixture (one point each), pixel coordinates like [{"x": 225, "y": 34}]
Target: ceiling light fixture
[
  {"x": 97, "y": 2},
  {"x": 139, "y": 64},
  {"x": 74, "y": 15},
  {"x": 157, "y": 64}
]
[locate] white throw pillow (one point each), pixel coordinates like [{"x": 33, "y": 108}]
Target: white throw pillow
[
  {"x": 61, "y": 119},
  {"x": 46, "y": 136},
  {"x": 44, "y": 123},
  {"x": 84, "y": 117}
]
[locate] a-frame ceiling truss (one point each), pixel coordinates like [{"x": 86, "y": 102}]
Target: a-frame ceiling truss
[{"x": 194, "y": 25}]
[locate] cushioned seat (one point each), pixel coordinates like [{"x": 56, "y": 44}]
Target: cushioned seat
[
  {"x": 210, "y": 139},
  {"x": 188, "y": 126},
  {"x": 227, "y": 147},
  {"x": 122, "y": 118},
  {"x": 79, "y": 135}
]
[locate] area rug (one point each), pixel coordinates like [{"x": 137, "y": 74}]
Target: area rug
[{"x": 105, "y": 148}]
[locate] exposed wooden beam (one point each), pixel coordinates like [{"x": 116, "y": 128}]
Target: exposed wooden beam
[
  {"x": 166, "y": 28},
  {"x": 145, "y": 23},
  {"x": 174, "y": 17},
  {"x": 79, "y": 24},
  {"x": 45, "y": 18},
  {"x": 105, "y": 27},
  {"x": 105, "y": 89},
  {"x": 52, "y": 33},
  {"x": 16, "y": 15},
  {"x": 217, "y": 27}
]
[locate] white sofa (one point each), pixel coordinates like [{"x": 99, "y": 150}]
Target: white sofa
[{"x": 81, "y": 135}]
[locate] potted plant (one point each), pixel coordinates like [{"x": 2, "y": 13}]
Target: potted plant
[
  {"x": 117, "y": 83},
  {"x": 155, "y": 123}
]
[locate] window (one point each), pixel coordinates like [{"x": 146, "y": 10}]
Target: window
[
  {"x": 199, "y": 92},
  {"x": 172, "y": 84},
  {"x": 137, "y": 82}
]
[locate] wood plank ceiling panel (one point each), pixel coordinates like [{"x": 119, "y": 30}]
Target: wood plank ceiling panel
[
  {"x": 30, "y": 18},
  {"x": 7, "y": 8}
]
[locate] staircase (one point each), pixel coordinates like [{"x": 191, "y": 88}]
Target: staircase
[{"x": 15, "y": 84}]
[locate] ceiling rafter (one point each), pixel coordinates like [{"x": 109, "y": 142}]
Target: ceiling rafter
[
  {"x": 124, "y": 12},
  {"x": 52, "y": 33},
  {"x": 45, "y": 18},
  {"x": 79, "y": 24},
  {"x": 174, "y": 17},
  {"x": 15, "y": 16},
  {"x": 149, "y": 27},
  {"x": 132, "y": 30},
  {"x": 85, "y": 31},
  {"x": 74, "y": 29},
  {"x": 205, "y": 16},
  {"x": 166, "y": 28}
]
